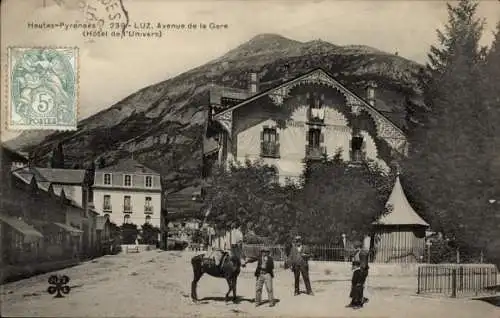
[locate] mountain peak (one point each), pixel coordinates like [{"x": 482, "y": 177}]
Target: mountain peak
[
  {"x": 265, "y": 38},
  {"x": 262, "y": 44}
]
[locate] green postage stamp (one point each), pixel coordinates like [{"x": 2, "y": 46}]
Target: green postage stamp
[{"x": 43, "y": 88}]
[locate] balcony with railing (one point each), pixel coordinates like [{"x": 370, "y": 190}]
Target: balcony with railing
[
  {"x": 316, "y": 115},
  {"x": 148, "y": 209},
  {"x": 270, "y": 149},
  {"x": 315, "y": 152}
]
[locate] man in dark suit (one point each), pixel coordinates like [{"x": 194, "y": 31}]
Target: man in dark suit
[
  {"x": 264, "y": 274},
  {"x": 298, "y": 261},
  {"x": 356, "y": 293},
  {"x": 360, "y": 267}
]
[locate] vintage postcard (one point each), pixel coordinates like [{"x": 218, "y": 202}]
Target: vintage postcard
[{"x": 210, "y": 158}]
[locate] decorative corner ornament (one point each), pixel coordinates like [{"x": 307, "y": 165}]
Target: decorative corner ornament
[{"x": 58, "y": 285}]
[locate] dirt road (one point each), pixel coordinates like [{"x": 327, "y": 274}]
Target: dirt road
[{"x": 156, "y": 284}]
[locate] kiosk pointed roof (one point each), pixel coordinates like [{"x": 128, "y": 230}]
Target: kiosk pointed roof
[{"x": 401, "y": 211}]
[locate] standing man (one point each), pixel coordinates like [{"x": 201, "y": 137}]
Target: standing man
[
  {"x": 364, "y": 256},
  {"x": 356, "y": 293},
  {"x": 360, "y": 272},
  {"x": 298, "y": 260},
  {"x": 264, "y": 274}
]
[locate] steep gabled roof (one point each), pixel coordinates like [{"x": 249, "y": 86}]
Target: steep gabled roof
[
  {"x": 129, "y": 165},
  {"x": 401, "y": 212},
  {"x": 301, "y": 77},
  {"x": 29, "y": 232},
  {"x": 62, "y": 176}
]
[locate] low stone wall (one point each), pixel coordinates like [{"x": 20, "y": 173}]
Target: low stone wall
[
  {"x": 132, "y": 248},
  {"x": 16, "y": 272}
]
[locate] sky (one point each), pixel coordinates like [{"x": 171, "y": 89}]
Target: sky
[{"x": 112, "y": 68}]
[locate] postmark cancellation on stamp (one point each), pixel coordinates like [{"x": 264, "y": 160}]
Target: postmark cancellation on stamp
[{"x": 43, "y": 88}]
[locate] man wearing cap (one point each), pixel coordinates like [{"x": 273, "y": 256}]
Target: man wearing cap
[
  {"x": 360, "y": 272},
  {"x": 264, "y": 274},
  {"x": 356, "y": 293},
  {"x": 298, "y": 260}
]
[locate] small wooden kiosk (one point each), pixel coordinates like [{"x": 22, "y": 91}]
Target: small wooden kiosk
[{"x": 399, "y": 236}]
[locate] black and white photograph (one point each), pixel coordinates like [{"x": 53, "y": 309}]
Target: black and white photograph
[{"x": 231, "y": 158}]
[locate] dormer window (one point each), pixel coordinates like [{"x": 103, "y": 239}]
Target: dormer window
[
  {"x": 149, "y": 181},
  {"x": 127, "y": 180},
  {"x": 107, "y": 178}
]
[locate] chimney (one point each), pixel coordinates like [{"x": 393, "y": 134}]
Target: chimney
[
  {"x": 287, "y": 72},
  {"x": 370, "y": 92},
  {"x": 253, "y": 83}
]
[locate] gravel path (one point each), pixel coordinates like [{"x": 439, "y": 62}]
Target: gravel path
[{"x": 156, "y": 284}]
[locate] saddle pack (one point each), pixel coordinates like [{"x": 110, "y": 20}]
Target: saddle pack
[{"x": 215, "y": 258}]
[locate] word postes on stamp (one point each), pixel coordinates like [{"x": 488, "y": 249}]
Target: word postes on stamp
[{"x": 43, "y": 88}]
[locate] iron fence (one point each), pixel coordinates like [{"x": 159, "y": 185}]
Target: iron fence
[
  {"x": 317, "y": 252},
  {"x": 335, "y": 253},
  {"x": 457, "y": 280}
]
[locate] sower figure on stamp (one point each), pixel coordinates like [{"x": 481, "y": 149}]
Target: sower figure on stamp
[
  {"x": 264, "y": 274},
  {"x": 298, "y": 261}
]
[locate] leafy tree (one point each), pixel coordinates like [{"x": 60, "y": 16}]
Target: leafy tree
[
  {"x": 101, "y": 163},
  {"x": 337, "y": 198},
  {"x": 129, "y": 233},
  {"x": 445, "y": 170},
  {"x": 241, "y": 196},
  {"x": 491, "y": 85},
  {"x": 249, "y": 197},
  {"x": 460, "y": 38},
  {"x": 90, "y": 174},
  {"x": 149, "y": 234},
  {"x": 57, "y": 158}
]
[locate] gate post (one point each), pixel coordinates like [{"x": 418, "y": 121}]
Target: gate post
[
  {"x": 454, "y": 283},
  {"x": 418, "y": 280}
]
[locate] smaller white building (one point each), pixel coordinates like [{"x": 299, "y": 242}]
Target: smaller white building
[{"x": 128, "y": 192}]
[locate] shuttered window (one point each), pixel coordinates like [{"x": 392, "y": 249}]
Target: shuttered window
[
  {"x": 315, "y": 137},
  {"x": 269, "y": 139}
]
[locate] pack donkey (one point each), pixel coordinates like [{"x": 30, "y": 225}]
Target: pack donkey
[{"x": 221, "y": 264}]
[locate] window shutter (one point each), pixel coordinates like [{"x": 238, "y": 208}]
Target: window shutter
[
  {"x": 277, "y": 143},
  {"x": 262, "y": 141},
  {"x": 321, "y": 138},
  {"x": 363, "y": 149}
]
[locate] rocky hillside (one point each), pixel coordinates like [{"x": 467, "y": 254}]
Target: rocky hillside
[{"x": 162, "y": 125}]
